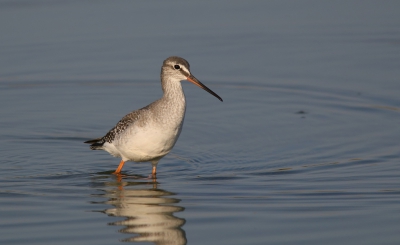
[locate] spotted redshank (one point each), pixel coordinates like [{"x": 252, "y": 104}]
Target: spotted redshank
[{"x": 148, "y": 134}]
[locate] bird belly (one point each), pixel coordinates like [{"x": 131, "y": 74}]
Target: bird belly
[{"x": 144, "y": 144}]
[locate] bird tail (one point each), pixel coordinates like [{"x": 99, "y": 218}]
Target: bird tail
[{"x": 96, "y": 144}]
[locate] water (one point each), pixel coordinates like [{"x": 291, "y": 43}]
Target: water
[{"x": 303, "y": 150}]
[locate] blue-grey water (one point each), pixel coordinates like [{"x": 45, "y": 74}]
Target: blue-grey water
[{"x": 305, "y": 148}]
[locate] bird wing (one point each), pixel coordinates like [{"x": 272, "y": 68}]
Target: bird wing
[{"x": 123, "y": 124}]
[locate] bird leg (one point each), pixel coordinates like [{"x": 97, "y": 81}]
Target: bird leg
[
  {"x": 118, "y": 170},
  {"x": 154, "y": 172}
]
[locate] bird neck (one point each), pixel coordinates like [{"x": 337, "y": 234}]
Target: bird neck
[
  {"x": 172, "y": 105},
  {"x": 173, "y": 90}
]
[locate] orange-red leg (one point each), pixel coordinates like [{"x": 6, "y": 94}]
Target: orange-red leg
[
  {"x": 154, "y": 171},
  {"x": 118, "y": 170}
]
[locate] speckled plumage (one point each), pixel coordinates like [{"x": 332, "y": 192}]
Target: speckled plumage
[
  {"x": 123, "y": 124},
  {"x": 149, "y": 133}
]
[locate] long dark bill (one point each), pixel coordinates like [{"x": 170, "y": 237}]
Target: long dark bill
[{"x": 194, "y": 80}]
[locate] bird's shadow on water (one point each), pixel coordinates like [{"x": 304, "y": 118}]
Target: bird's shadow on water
[{"x": 147, "y": 211}]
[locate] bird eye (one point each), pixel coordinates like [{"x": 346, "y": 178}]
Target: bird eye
[{"x": 177, "y": 67}]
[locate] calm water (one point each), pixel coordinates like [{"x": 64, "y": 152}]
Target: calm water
[{"x": 303, "y": 150}]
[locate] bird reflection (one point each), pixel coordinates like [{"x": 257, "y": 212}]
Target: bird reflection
[{"x": 148, "y": 212}]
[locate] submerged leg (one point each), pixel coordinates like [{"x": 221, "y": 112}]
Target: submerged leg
[{"x": 118, "y": 170}]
